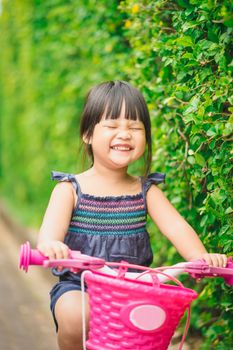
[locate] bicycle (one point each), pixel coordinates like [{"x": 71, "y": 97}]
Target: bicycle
[{"x": 130, "y": 311}]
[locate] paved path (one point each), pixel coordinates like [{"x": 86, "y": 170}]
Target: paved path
[{"x": 25, "y": 320}]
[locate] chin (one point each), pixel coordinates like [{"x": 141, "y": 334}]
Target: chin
[{"x": 119, "y": 165}]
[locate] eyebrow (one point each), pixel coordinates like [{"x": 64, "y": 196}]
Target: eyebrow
[
  {"x": 132, "y": 123},
  {"x": 109, "y": 121},
  {"x": 115, "y": 121},
  {"x": 135, "y": 122}
]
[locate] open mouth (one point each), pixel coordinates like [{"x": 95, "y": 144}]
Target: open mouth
[{"x": 121, "y": 148}]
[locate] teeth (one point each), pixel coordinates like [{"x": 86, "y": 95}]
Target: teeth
[{"x": 119, "y": 148}]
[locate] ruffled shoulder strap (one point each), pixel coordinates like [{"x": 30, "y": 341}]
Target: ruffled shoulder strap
[
  {"x": 153, "y": 179},
  {"x": 60, "y": 176}
]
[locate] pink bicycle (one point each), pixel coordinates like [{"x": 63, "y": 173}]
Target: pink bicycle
[{"x": 131, "y": 311}]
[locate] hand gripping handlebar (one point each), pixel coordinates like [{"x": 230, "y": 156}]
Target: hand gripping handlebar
[
  {"x": 77, "y": 261},
  {"x": 199, "y": 269}
]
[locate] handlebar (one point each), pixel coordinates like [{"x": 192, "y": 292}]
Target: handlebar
[{"x": 77, "y": 261}]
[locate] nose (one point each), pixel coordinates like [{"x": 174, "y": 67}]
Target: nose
[{"x": 124, "y": 134}]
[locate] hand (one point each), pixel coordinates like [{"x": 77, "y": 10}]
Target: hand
[
  {"x": 53, "y": 249},
  {"x": 215, "y": 260}
]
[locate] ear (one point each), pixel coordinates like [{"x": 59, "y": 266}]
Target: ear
[{"x": 87, "y": 140}]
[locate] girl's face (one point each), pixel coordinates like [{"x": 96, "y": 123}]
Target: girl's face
[{"x": 118, "y": 142}]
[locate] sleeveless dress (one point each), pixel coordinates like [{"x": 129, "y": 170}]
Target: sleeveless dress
[{"x": 110, "y": 227}]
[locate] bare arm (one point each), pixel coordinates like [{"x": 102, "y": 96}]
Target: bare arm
[
  {"x": 177, "y": 230},
  {"x": 56, "y": 222}
]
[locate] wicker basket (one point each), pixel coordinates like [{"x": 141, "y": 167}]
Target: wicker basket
[{"x": 131, "y": 314}]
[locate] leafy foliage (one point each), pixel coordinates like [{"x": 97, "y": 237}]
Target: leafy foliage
[{"x": 181, "y": 59}]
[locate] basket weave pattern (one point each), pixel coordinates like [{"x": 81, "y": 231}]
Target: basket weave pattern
[{"x": 110, "y": 295}]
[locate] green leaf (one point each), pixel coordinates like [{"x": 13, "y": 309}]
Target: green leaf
[
  {"x": 204, "y": 220},
  {"x": 205, "y": 44},
  {"x": 191, "y": 160},
  {"x": 200, "y": 160},
  {"x": 185, "y": 41},
  {"x": 211, "y": 132},
  {"x": 229, "y": 210},
  {"x": 228, "y": 129}
]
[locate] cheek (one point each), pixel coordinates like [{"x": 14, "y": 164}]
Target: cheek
[
  {"x": 101, "y": 132},
  {"x": 101, "y": 139},
  {"x": 141, "y": 146},
  {"x": 142, "y": 141}
]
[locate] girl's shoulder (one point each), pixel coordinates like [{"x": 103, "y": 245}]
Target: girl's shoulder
[
  {"x": 67, "y": 179},
  {"x": 153, "y": 179},
  {"x": 63, "y": 177},
  {"x": 67, "y": 186}
]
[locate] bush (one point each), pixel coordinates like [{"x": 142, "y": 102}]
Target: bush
[{"x": 181, "y": 58}]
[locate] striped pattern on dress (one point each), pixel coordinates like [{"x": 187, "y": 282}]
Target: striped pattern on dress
[{"x": 120, "y": 215}]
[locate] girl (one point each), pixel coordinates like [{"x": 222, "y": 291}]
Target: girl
[{"x": 102, "y": 211}]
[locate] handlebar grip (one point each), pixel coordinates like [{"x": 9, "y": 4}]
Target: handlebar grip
[
  {"x": 30, "y": 256},
  {"x": 201, "y": 269}
]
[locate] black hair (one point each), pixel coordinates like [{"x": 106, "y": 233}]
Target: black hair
[{"x": 107, "y": 98}]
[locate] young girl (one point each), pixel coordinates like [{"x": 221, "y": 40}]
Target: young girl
[{"x": 102, "y": 211}]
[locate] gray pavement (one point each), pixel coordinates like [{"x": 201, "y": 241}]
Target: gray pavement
[{"x": 25, "y": 319}]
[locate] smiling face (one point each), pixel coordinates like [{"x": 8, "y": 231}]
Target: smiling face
[
  {"x": 116, "y": 121},
  {"x": 118, "y": 142}
]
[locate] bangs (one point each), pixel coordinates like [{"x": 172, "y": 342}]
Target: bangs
[
  {"x": 114, "y": 102},
  {"x": 106, "y": 100},
  {"x": 123, "y": 93}
]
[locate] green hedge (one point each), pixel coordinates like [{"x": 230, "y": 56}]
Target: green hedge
[
  {"x": 181, "y": 58},
  {"x": 179, "y": 53}
]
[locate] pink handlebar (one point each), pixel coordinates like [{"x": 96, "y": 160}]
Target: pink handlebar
[
  {"x": 200, "y": 269},
  {"x": 78, "y": 261}
]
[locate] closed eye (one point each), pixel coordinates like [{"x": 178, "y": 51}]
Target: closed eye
[
  {"x": 136, "y": 128},
  {"x": 110, "y": 126}
]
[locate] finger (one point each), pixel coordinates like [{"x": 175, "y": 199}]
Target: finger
[
  {"x": 42, "y": 248},
  {"x": 65, "y": 251},
  {"x": 207, "y": 259},
  {"x": 59, "y": 253},
  {"x": 224, "y": 257},
  {"x": 215, "y": 260},
  {"x": 218, "y": 260},
  {"x": 50, "y": 253},
  {"x": 222, "y": 260}
]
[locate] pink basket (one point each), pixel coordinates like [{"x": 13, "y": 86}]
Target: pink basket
[{"x": 131, "y": 314}]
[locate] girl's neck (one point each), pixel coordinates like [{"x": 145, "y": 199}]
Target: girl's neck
[
  {"x": 110, "y": 175},
  {"x": 100, "y": 181}
]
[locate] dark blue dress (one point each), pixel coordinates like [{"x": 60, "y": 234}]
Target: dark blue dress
[{"x": 110, "y": 227}]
